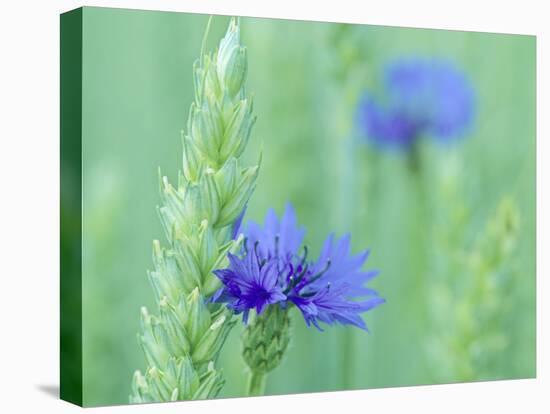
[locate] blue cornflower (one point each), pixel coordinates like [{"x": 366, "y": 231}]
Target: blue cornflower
[
  {"x": 274, "y": 270},
  {"x": 423, "y": 96}
]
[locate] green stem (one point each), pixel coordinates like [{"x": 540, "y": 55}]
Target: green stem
[
  {"x": 420, "y": 246},
  {"x": 256, "y": 384},
  {"x": 347, "y": 203}
]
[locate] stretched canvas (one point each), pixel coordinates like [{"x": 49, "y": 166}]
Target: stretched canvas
[{"x": 259, "y": 206}]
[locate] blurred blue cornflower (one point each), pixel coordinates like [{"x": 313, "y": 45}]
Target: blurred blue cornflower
[
  {"x": 422, "y": 96},
  {"x": 272, "y": 272}
]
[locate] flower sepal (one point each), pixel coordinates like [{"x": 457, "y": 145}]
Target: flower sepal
[{"x": 266, "y": 339}]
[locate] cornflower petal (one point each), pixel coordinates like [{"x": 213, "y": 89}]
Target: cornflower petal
[{"x": 271, "y": 271}]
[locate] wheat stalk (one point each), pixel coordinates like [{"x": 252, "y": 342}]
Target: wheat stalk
[{"x": 182, "y": 342}]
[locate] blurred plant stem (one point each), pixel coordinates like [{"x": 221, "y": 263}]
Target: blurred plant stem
[
  {"x": 473, "y": 286},
  {"x": 420, "y": 224},
  {"x": 414, "y": 162},
  {"x": 419, "y": 249},
  {"x": 346, "y": 207},
  {"x": 348, "y": 76},
  {"x": 256, "y": 384}
]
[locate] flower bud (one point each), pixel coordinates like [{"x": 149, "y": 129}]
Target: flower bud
[{"x": 265, "y": 339}]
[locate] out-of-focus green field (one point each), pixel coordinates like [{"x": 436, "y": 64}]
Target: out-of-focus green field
[{"x": 137, "y": 91}]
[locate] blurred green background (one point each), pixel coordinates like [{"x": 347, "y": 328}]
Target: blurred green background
[{"x": 306, "y": 78}]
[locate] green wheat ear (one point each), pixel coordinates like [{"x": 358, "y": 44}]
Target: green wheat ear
[{"x": 182, "y": 342}]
